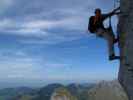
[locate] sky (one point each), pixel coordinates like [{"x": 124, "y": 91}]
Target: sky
[{"x": 46, "y": 41}]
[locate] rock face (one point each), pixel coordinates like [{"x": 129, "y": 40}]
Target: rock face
[
  {"x": 125, "y": 29},
  {"x": 107, "y": 91}
]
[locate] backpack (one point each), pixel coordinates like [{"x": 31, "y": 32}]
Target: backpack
[{"x": 91, "y": 27}]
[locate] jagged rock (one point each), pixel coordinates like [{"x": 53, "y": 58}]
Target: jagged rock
[{"x": 107, "y": 91}]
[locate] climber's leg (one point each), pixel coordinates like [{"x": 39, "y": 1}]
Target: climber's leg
[
  {"x": 110, "y": 41},
  {"x": 109, "y": 36},
  {"x": 111, "y": 33},
  {"x": 116, "y": 40}
]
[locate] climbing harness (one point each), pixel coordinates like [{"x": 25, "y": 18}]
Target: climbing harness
[{"x": 110, "y": 25}]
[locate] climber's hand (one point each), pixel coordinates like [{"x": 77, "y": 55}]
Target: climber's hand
[
  {"x": 117, "y": 13},
  {"x": 117, "y": 9}
]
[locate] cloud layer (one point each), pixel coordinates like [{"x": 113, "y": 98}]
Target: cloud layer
[
  {"x": 47, "y": 20},
  {"x": 35, "y": 33}
]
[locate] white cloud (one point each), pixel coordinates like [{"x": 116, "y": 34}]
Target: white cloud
[
  {"x": 19, "y": 65},
  {"x": 50, "y": 40},
  {"x": 29, "y": 32},
  {"x": 39, "y": 24},
  {"x": 38, "y": 29},
  {"x": 7, "y": 23},
  {"x": 56, "y": 65},
  {"x": 36, "y": 24},
  {"x": 68, "y": 23},
  {"x": 5, "y": 4}
]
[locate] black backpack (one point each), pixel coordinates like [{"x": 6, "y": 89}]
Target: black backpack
[{"x": 91, "y": 27}]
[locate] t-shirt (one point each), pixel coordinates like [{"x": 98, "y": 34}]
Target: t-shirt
[{"x": 99, "y": 23}]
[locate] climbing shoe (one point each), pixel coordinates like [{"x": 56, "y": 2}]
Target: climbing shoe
[
  {"x": 130, "y": 70},
  {"x": 113, "y": 57},
  {"x": 116, "y": 40}
]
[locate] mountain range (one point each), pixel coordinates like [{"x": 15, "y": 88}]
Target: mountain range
[
  {"x": 102, "y": 91},
  {"x": 44, "y": 93}
]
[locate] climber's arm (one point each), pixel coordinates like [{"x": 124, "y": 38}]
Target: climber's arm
[
  {"x": 105, "y": 16},
  {"x": 112, "y": 13}
]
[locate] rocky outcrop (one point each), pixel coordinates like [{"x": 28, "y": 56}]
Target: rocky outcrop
[
  {"x": 62, "y": 94},
  {"x": 107, "y": 91},
  {"x": 125, "y": 30}
]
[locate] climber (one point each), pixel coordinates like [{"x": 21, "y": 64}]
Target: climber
[{"x": 96, "y": 26}]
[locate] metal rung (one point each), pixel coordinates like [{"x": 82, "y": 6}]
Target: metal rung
[{"x": 131, "y": 70}]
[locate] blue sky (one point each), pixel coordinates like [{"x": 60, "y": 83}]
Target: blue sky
[{"x": 45, "y": 41}]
